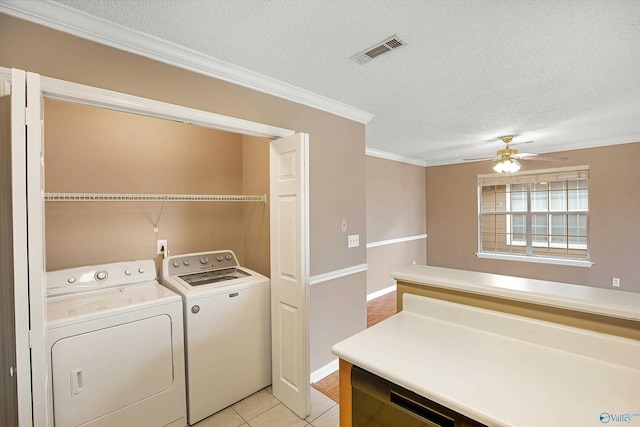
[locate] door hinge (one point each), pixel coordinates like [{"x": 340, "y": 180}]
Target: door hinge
[
  {"x": 28, "y": 120},
  {"x": 30, "y": 339}
]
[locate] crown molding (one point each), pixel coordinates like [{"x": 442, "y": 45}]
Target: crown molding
[
  {"x": 395, "y": 157},
  {"x": 80, "y": 24},
  {"x": 594, "y": 143}
]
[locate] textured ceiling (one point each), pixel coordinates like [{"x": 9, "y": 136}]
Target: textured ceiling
[{"x": 564, "y": 73}]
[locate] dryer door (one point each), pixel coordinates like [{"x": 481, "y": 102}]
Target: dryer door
[{"x": 99, "y": 372}]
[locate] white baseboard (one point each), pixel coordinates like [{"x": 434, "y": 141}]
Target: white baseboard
[
  {"x": 381, "y": 292},
  {"x": 326, "y": 370}
]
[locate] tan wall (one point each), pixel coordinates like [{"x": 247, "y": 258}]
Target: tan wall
[
  {"x": 337, "y": 144},
  {"x": 383, "y": 260},
  {"x": 614, "y": 206},
  {"x": 255, "y": 180},
  {"x": 396, "y": 199},
  {"x": 396, "y": 208},
  {"x": 341, "y": 316},
  {"x": 336, "y": 154},
  {"x": 101, "y": 151}
]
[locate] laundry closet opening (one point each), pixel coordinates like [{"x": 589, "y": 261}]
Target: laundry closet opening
[{"x": 97, "y": 150}]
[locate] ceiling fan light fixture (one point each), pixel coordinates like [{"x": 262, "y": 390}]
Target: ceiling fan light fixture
[{"x": 507, "y": 166}]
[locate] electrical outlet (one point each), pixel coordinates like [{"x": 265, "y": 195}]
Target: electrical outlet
[
  {"x": 353, "y": 241},
  {"x": 615, "y": 282},
  {"x": 161, "y": 247}
]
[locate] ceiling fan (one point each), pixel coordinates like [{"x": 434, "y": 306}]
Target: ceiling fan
[{"x": 507, "y": 159}]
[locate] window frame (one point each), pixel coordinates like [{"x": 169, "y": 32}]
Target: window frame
[{"x": 530, "y": 178}]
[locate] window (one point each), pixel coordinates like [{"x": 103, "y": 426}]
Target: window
[{"x": 537, "y": 216}]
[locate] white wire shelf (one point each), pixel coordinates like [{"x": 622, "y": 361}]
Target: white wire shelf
[{"x": 105, "y": 197}]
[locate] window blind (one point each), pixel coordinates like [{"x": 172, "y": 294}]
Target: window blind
[{"x": 533, "y": 214}]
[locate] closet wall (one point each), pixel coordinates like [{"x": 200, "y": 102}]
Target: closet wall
[
  {"x": 255, "y": 180},
  {"x": 93, "y": 150}
]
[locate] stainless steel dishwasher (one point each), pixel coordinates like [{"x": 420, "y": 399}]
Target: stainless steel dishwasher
[{"x": 381, "y": 403}]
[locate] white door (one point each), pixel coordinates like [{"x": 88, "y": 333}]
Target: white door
[
  {"x": 25, "y": 256},
  {"x": 36, "y": 245},
  {"x": 289, "y": 164}
]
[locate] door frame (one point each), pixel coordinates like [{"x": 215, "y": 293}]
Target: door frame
[{"x": 76, "y": 93}]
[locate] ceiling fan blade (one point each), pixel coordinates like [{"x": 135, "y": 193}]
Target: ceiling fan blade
[
  {"x": 512, "y": 144},
  {"x": 477, "y": 159},
  {"x": 531, "y": 156}
]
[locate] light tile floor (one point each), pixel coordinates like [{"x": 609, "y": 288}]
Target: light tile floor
[{"x": 262, "y": 409}]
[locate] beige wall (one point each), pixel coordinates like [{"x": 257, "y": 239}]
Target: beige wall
[
  {"x": 255, "y": 180},
  {"x": 342, "y": 316},
  {"x": 396, "y": 208},
  {"x": 614, "y": 209},
  {"x": 101, "y": 151},
  {"x": 337, "y": 145},
  {"x": 383, "y": 260}
]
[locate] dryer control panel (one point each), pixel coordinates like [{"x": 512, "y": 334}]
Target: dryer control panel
[
  {"x": 96, "y": 277},
  {"x": 183, "y": 264}
]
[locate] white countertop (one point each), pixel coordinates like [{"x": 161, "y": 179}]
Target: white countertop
[
  {"x": 499, "y": 369},
  {"x": 608, "y": 302}
]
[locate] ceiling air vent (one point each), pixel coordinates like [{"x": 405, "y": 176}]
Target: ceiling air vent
[{"x": 378, "y": 49}]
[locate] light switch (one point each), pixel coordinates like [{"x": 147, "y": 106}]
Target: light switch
[
  {"x": 343, "y": 224},
  {"x": 353, "y": 241}
]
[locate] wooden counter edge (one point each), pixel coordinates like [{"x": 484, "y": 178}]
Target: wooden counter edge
[
  {"x": 345, "y": 393},
  {"x": 564, "y": 316}
]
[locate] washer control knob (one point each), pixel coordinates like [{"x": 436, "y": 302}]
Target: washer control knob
[
  {"x": 228, "y": 257},
  {"x": 195, "y": 309},
  {"x": 219, "y": 258},
  {"x": 101, "y": 275},
  {"x": 186, "y": 262},
  {"x": 141, "y": 270},
  {"x": 127, "y": 272},
  {"x": 176, "y": 263},
  {"x": 71, "y": 280},
  {"x": 204, "y": 260}
]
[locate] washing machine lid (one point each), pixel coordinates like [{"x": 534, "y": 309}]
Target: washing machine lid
[
  {"x": 207, "y": 273},
  {"x": 80, "y": 307},
  {"x": 214, "y": 276}
]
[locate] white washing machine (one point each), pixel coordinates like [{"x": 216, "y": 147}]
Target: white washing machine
[
  {"x": 116, "y": 347},
  {"x": 227, "y": 329}
]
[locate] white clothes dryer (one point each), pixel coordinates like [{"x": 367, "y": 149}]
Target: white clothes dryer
[
  {"x": 227, "y": 328},
  {"x": 116, "y": 347}
]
